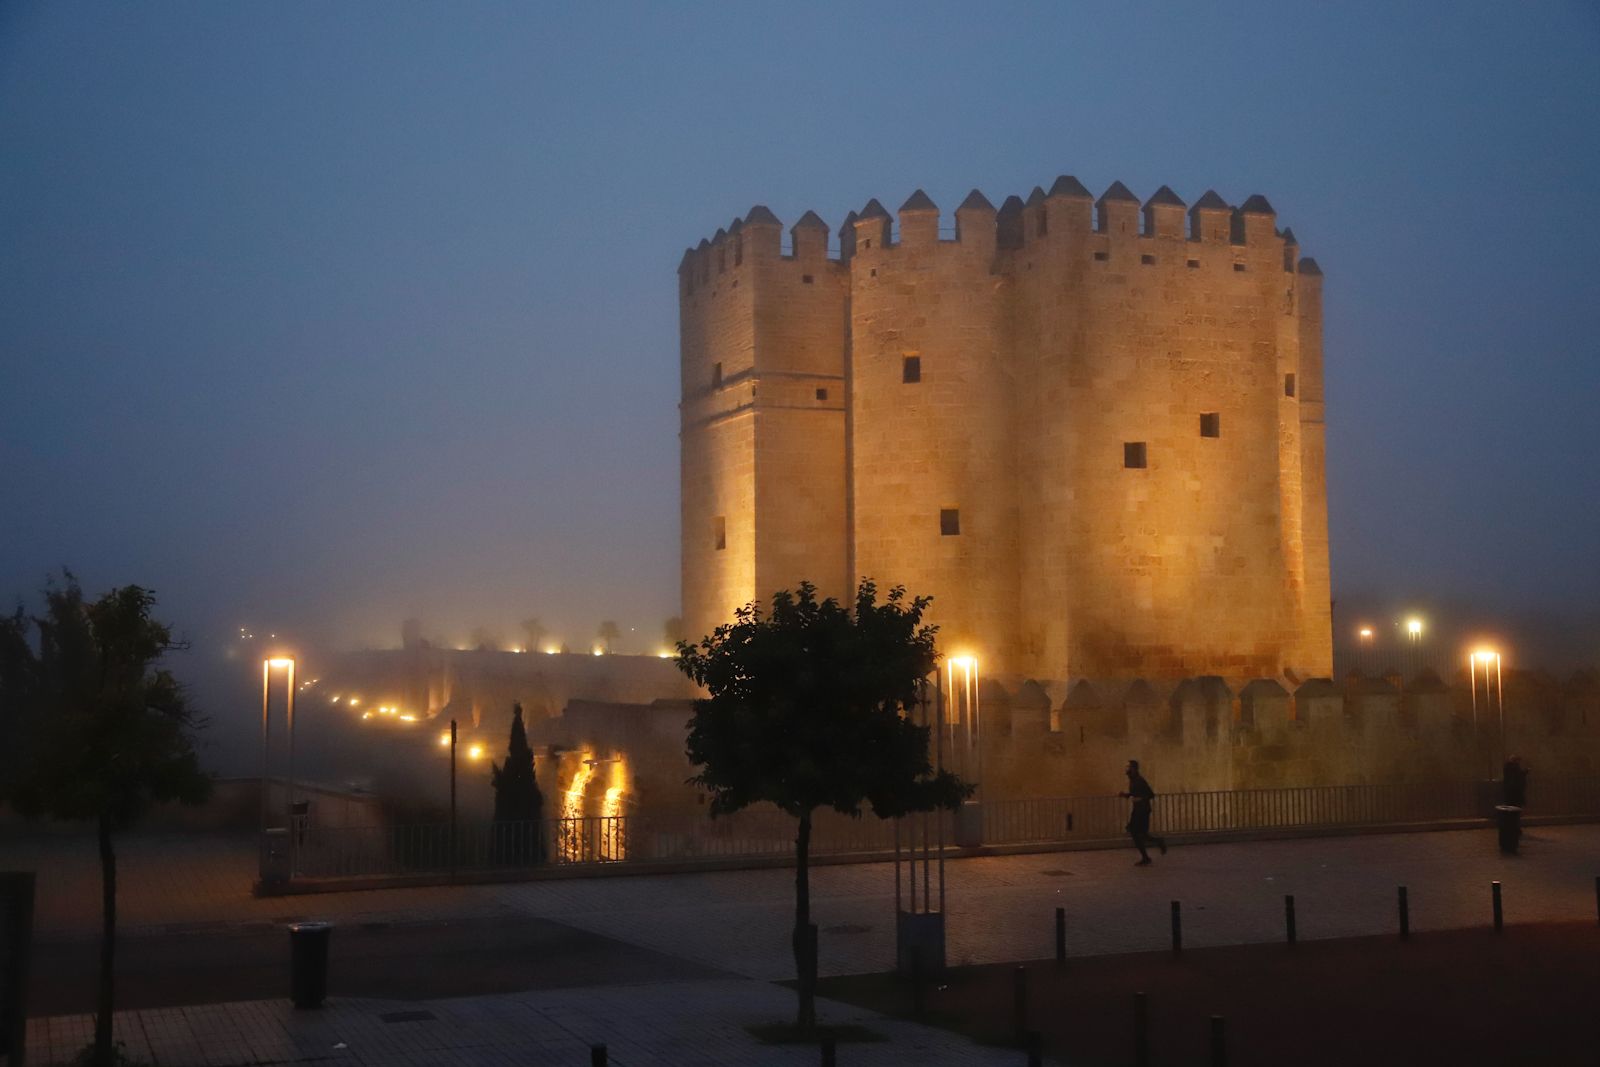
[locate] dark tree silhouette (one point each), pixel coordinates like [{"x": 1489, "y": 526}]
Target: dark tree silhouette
[
  {"x": 533, "y": 633},
  {"x": 806, "y": 711},
  {"x": 101, "y": 733},
  {"x": 518, "y": 804},
  {"x": 608, "y": 634}
]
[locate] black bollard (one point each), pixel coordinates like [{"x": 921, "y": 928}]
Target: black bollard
[
  {"x": 1019, "y": 1003},
  {"x": 1405, "y": 914},
  {"x": 830, "y": 1052},
  {"x": 598, "y": 1056},
  {"x": 1499, "y": 914},
  {"x": 1035, "y": 1049},
  {"x": 16, "y": 934},
  {"x": 1061, "y": 935},
  {"x": 1219, "y": 1042},
  {"x": 1177, "y": 927},
  {"x": 916, "y": 982},
  {"x": 1288, "y": 918},
  {"x": 1597, "y": 897},
  {"x": 1141, "y": 1030}
]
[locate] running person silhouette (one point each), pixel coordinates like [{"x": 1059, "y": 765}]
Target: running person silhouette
[{"x": 1141, "y": 794}]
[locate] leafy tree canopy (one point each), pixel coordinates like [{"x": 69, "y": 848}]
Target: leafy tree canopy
[
  {"x": 98, "y": 730},
  {"x": 805, "y": 707}
]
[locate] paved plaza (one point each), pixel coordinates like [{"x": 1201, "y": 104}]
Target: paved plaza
[
  {"x": 736, "y": 922},
  {"x": 666, "y": 1025}
]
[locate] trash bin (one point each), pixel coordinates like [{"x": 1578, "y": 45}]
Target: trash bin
[
  {"x": 1509, "y": 820},
  {"x": 308, "y": 963}
]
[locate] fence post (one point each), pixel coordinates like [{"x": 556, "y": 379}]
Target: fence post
[
  {"x": 830, "y": 1052},
  {"x": 1019, "y": 1003},
  {"x": 1405, "y": 913},
  {"x": 1061, "y": 935},
  {"x": 598, "y": 1056},
  {"x": 1141, "y": 1030},
  {"x": 1219, "y": 1042},
  {"x": 1597, "y": 897},
  {"x": 1499, "y": 914},
  {"x": 1035, "y": 1049},
  {"x": 916, "y": 981},
  {"x": 1288, "y": 918},
  {"x": 1177, "y": 927}
]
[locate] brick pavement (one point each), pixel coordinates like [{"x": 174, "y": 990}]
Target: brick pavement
[
  {"x": 679, "y": 1023},
  {"x": 1000, "y": 908}
]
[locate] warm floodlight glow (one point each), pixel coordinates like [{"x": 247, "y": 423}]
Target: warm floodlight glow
[
  {"x": 965, "y": 663},
  {"x": 1365, "y": 633},
  {"x": 280, "y": 661},
  {"x": 551, "y": 650},
  {"x": 444, "y": 739},
  {"x": 366, "y": 714},
  {"x": 599, "y": 651},
  {"x": 1414, "y": 627},
  {"x": 475, "y": 752},
  {"x": 408, "y": 718},
  {"x": 1486, "y": 655},
  {"x": 354, "y": 701}
]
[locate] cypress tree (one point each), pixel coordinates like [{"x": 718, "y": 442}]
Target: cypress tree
[{"x": 518, "y": 804}]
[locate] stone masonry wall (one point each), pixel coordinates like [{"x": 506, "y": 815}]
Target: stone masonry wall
[{"x": 1106, "y": 461}]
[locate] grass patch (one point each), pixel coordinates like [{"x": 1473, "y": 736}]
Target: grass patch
[{"x": 789, "y": 1034}]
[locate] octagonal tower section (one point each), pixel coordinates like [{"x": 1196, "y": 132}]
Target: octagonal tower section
[
  {"x": 933, "y": 453},
  {"x": 762, "y": 448}
]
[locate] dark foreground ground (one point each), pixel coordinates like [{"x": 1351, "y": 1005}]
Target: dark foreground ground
[
  {"x": 405, "y": 961},
  {"x": 1465, "y": 998}
]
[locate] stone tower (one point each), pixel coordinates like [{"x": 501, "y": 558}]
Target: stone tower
[{"x": 1091, "y": 429}]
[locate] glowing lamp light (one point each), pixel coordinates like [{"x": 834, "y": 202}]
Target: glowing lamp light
[
  {"x": 444, "y": 739},
  {"x": 965, "y": 663},
  {"x": 366, "y": 714},
  {"x": 475, "y": 752},
  {"x": 354, "y": 701},
  {"x": 408, "y": 718},
  {"x": 1365, "y": 633},
  {"x": 664, "y": 654},
  {"x": 1414, "y": 627},
  {"x": 599, "y": 651},
  {"x": 1486, "y": 655},
  {"x": 280, "y": 661}
]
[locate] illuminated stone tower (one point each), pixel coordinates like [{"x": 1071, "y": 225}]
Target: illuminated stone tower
[{"x": 1091, "y": 429}]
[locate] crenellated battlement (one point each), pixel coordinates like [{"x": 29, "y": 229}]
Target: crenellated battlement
[{"x": 1067, "y": 212}]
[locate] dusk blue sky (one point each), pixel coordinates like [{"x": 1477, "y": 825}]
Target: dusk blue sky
[{"x": 315, "y": 316}]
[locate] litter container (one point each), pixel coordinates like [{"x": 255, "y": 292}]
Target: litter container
[
  {"x": 308, "y": 963},
  {"x": 1509, "y": 820}
]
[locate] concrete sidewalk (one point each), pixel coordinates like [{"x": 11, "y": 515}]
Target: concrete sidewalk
[{"x": 675, "y": 1024}]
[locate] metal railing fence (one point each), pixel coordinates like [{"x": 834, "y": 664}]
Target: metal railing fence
[{"x": 690, "y": 837}]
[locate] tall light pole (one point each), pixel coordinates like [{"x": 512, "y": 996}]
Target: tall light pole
[
  {"x": 1494, "y": 698},
  {"x": 267, "y": 666},
  {"x": 1414, "y": 637},
  {"x": 286, "y": 663},
  {"x": 452, "y": 799}
]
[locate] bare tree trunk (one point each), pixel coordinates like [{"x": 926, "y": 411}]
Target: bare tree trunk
[
  {"x": 104, "y": 1002},
  {"x": 804, "y": 969}
]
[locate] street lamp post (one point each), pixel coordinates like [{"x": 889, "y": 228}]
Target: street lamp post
[
  {"x": 1414, "y": 638},
  {"x": 286, "y": 663},
  {"x": 1493, "y": 698},
  {"x": 452, "y": 799}
]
